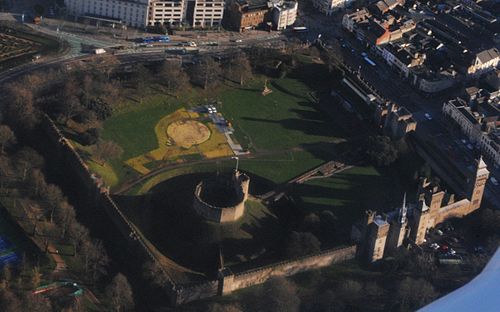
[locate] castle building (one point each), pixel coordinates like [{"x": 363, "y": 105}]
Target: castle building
[{"x": 380, "y": 235}]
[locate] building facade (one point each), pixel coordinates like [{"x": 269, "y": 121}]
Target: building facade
[
  {"x": 245, "y": 14},
  {"x": 328, "y": 7},
  {"x": 169, "y": 13},
  {"x": 208, "y": 13},
  {"x": 284, "y": 14},
  {"x": 142, "y": 13},
  {"x": 379, "y": 235},
  {"x": 484, "y": 62},
  {"x": 133, "y": 13},
  {"x": 479, "y": 128}
]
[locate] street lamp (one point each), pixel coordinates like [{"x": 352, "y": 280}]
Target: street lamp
[{"x": 237, "y": 162}]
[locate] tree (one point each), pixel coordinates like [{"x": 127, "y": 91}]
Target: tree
[
  {"x": 106, "y": 150},
  {"x": 173, "y": 76},
  {"x": 153, "y": 272},
  {"x": 238, "y": 68},
  {"x": 21, "y": 107},
  {"x": 96, "y": 259},
  {"x": 37, "y": 182},
  {"x": 26, "y": 159},
  {"x": 301, "y": 243},
  {"x": 9, "y": 302},
  {"x": 119, "y": 293},
  {"x": 350, "y": 289},
  {"x": 414, "y": 293},
  {"x": 7, "y": 137},
  {"x": 216, "y": 307},
  {"x": 381, "y": 151},
  {"x": 65, "y": 215},
  {"x": 5, "y": 171},
  {"x": 79, "y": 235},
  {"x": 279, "y": 295},
  {"x": 36, "y": 277},
  {"x": 206, "y": 72},
  {"x": 328, "y": 301},
  {"x": 53, "y": 196},
  {"x": 36, "y": 303}
]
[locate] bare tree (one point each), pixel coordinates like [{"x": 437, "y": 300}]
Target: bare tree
[
  {"x": 7, "y": 137},
  {"x": 36, "y": 303},
  {"x": 79, "y": 235},
  {"x": 21, "y": 106},
  {"x": 238, "y": 68},
  {"x": 96, "y": 259},
  {"x": 65, "y": 215},
  {"x": 53, "y": 196},
  {"x": 37, "y": 182},
  {"x": 279, "y": 295},
  {"x": 36, "y": 277},
  {"x": 119, "y": 293},
  {"x": 206, "y": 73},
  {"x": 173, "y": 76},
  {"x": 106, "y": 150},
  {"x": 9, "y": 302},
  {"x": 301, "y": 243},
  {"x": 216, "y": 307},
  {"x": 153, "y": 272},
  {"x": 414, "y": 293},
  {"x": 26, "y": 159},
  {"x": 5, "y": 171}
]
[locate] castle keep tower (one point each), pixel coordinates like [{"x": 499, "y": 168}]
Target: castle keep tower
[{"x": 222, "y": 198}]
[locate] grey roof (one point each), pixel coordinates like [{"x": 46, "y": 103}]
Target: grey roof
[{"x": 487, "y": 55}]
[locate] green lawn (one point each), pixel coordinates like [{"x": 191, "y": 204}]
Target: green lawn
[
  {"x": 349, "y": 193},
  {"x": 281, "y": 120},
  {"x": 133, "y": 129},
  {"x": 281, "y": 167}
]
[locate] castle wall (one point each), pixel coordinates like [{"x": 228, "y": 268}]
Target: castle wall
[
  {"x": 67, "y": 154},
  {"x": 291, "y": 267}
]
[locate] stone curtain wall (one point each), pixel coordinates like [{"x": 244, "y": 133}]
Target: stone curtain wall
[
  {"x": 103, "y": 200},
  {"x": 291, "y": 267}
]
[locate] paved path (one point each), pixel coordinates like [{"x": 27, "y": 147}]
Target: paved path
[{"x": 60, "y": 263}]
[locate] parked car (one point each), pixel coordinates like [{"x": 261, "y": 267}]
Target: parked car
[{"x": 435, "y": 246}]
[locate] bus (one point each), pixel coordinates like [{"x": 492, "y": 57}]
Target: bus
[
  {"x": 153, "y": 39},
  {"x": 372, "y": 63},
  {"x": 299, "y": 29}
]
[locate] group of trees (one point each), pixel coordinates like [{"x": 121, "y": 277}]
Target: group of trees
[
  {"x": 21, "y": 176},
  {"x": 380, "y": 150},
  {"x": 339, "y": 295}
]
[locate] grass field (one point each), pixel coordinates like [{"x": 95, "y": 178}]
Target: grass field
[
  {"x": 285, "y": 131},
  {"x": 349, "y": 193},
  {"x": 284, "y": 119}
]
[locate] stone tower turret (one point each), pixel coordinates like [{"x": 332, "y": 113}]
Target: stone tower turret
[
  {"x": 478, "y": 184},
  {"x": 422, "y": 219},
  {"x": 377, "y": 232},
  {"x": 398, "y": 228}
]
